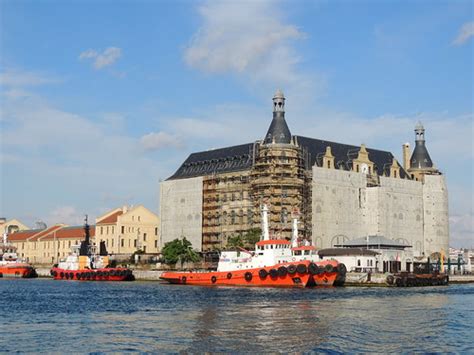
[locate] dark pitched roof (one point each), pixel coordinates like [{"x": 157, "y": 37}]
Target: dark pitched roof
[
  {"x": 235, "y": 158},
  {"x": 344, "y": 154},
  {"x": 420, "y": 158},
  {"x": 239, "y": 157},
  {"x": 374, "y": 241},
  {"x": 278, "y": 131},
  {"x": 346, "y": 252}
]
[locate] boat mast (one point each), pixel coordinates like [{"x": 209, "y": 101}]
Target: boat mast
[{"x": 266, "y": 234}]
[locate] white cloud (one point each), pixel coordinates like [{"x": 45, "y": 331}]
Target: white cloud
[
  {"x": 66, "y": 215},
  {"x": 159, "y": 140},
  {"x": 250, "y": 40},
  {"x": 14, "y": 78},
  {"x": 466, "y": 32},
  {"x": 462, "y": 230},
  {"x": 101, "y": 60}
]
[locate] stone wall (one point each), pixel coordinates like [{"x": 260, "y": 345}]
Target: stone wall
[
  {"x": 181, "y": 210},
  {"x": 436, "y": 223},
  {"x": 337, "y": 204}
]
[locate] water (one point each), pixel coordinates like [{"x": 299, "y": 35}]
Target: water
[{"x": 52, "y": 316}]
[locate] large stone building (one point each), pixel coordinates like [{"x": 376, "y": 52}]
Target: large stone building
[{"x": 342, "y": 192}]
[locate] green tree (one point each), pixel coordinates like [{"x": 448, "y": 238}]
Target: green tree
[
  {"x": 235, "y": 242},
  {"x": 179, "y": 250},
  {"x": 251, "y": 237}
]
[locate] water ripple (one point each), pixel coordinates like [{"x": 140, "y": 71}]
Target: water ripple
[{"x": 50, "y": 316}]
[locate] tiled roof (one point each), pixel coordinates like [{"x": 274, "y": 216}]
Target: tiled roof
[
  {"x": 239, "y": 157},
  {"x": 45, "y": 232},
  {"x": 344, "y": 154},
  {"x": 23, "y": 235},
  {"x": 110, "y": 219},
  {"x": 74, "y": 232},
  {"x": 216, "y": 161}
]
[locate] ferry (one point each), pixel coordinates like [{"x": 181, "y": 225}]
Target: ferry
[
  {"x": 10, "y": 264},
  {"x": 85, "y": 264},
  {"x": 273, "y": 263}
]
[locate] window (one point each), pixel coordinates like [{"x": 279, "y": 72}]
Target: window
[
  {"x": 329, "y": 164},
  {"x": 113, "y": 229},
  {"x": 101, "y": 230},
  {"x": 358, "y": 262},
  {"x": 249, "y": 216},
  {"x": 394, "y": 173},
  {"x": 284, "y": 215},
  {"x": 156, "y": 243},
  {"x": 107, "y": 230},
  {"x": 122, "y": 242},
  {"x": 144, "y": 237},
  {"x": 138, "y": 218},
  {"x": 112, "y": 243},
  {"x": 123, "y": 229},
  {"x": 135, "y": 243},
  {"x": 156, "y": 231},
  {"x": 232, "y": 217}
]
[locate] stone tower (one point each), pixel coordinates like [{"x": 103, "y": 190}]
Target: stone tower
[
  {"x": 278, "y": 176},
  {"x": 420, "y": 161}
]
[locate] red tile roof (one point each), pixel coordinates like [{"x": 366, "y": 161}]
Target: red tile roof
[
  {"x": 75, "y": 232},
  {"x": 23, "y": 235},
  {"x": 45, "y": 232},
  {"x": 110, "y": 219}
]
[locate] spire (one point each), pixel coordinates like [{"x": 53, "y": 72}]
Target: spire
[
  {"x": 278, "y": 131},
  {"x": 420, "y": 158}
]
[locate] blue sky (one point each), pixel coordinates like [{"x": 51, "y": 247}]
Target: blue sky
[{"x": 102, "y": 99}]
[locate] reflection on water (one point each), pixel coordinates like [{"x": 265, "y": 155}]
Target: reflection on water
[{"x": 86, "y": 317}]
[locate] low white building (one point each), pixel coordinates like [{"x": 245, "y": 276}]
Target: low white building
[
  {"x": 355, "y": 259},
  {"x": 392, "y": 256}
]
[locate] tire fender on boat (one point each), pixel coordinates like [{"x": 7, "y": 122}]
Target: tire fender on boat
[
  {"x": 263, "y": 273},
  {"x": 229, "y": 275},
  {"x": 291, "y": 269},
  {"x": 248, "y": 276},
  {"x": 282, "y": 271},
  {"x": 301, "y": 269},
  {"x": 183, "y": 279},
  {"x": 213, "y": 279},
  {"x": 329, "y": 268}
]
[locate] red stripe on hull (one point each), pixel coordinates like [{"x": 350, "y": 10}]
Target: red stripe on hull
[
  {"x": 17, "y": 271},
  {"x": 109, "y": 274}
]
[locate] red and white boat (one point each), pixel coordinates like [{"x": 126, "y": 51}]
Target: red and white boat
[
  {"x": 85, "y": 264},
  {"x": 10, "y": 264},
  {"x": 273, "y": 263}
]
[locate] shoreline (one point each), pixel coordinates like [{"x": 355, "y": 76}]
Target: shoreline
[{"x": 352, "y": 279}]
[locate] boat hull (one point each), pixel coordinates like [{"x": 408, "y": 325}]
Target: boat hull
[
  {"x": 18, "y": 271},
  {"x": 104, "y": 274},
  {"x": 298, "y": 274}
]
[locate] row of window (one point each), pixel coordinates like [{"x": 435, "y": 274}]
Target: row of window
[
  {"x": 238, "y": 218},
  {"x": 129, "y": 229}
]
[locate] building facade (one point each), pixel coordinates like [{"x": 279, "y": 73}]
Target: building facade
[
  {"x": 340, "y": 192},
  {"x": 48, "y": 246},
  {"x": 127, "y": 230}
]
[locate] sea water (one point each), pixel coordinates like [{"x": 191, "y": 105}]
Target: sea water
[{"x": 43, "y": 315}]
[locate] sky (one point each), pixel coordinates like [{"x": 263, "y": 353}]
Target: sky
[{"x": 102, "y": 100}]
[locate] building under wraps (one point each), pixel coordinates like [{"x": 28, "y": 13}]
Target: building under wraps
[{"x": 341, "y": 192}]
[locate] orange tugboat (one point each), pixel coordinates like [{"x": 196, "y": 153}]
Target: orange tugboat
[
  {"x": 274, "y": 263},
  {"x": 10, "y": 264},
  {"x": 86, "y": 265}
]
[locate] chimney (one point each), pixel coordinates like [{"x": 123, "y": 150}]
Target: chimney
[{"x": 406, "y": 156}]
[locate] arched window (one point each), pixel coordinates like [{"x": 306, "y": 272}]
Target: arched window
[
  {"x": 232, "y": 217},
  {"x": 249, "y": 216},
  {"x": 284, "y": 215}
]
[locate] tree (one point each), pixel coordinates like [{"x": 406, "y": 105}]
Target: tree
[
  {"x": 235, "y": 242},
  {"x": 252, "y": 236},
  {"x": 179, "y": 250}
]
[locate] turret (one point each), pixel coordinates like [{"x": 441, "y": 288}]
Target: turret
[
  {"x": 420, "y": 161},
  {"x": 420, "y": 158},
  {"x": 278, "y": 132}
]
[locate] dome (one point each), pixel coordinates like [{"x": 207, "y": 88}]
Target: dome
[{"x": 279, "y": 95}]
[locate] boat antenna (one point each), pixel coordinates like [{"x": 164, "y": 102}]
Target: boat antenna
[{"x": 86, "y": 242}]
